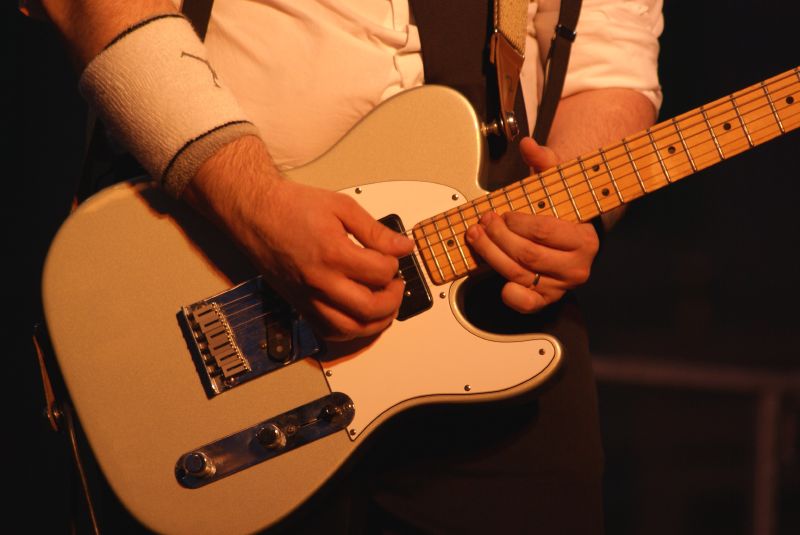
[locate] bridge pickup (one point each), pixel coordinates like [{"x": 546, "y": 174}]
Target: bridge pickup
[
  {"x": 265, "y": 440},
  {"x": 417, "y": 296},
  {"x": 243, "y": 333}
]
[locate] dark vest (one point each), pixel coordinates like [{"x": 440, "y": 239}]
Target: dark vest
[{"x": 455, "y": 52}]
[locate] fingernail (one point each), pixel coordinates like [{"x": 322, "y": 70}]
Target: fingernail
[
  {"x": 474, "y": 232},
  {"x": 487, "y": 218}
]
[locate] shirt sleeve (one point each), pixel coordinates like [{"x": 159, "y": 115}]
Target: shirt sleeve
[{"x": 616, "y": 45}]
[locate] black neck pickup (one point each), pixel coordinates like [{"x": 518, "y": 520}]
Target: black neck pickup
[{"x": 417, "y": 297}]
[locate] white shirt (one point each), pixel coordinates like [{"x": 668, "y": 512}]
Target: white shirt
[{"x": 306, "y": 71}]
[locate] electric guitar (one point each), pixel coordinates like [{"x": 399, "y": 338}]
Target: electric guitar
[{"x": 209, "y": 403}]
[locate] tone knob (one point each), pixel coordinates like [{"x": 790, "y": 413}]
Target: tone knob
[{"x": 271, "y": 437}]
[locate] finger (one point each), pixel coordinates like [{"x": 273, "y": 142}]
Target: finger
[
  {"x": 539, "y": 157},
  {"x": 359, "y": 302},
  {"x": 333, "y": 324},
  {"x": 371, "y": 233},
  {"x": 363, "y": 265},
  {"x": 552, "y": 232},
  {"x": 509, "y": 269},
  {"x": 525, "y": 252},
  {"x": 527, "y": 300}
]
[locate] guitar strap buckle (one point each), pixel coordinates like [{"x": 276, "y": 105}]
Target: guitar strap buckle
[
  {"x": 507, "y": 53},
  {"x": 508, "y": 62}
]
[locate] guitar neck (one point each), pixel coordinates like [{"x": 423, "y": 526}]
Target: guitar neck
[{"x": 593, "y": 184}]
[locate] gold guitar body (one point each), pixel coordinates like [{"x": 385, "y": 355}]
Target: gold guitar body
[{"x": 128, "y": 260}]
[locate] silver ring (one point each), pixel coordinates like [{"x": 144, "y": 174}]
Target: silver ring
[{"x": 536, "y": 277}]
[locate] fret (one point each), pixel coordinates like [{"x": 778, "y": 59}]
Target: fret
[
  {"x": 443, "y": 243},
  {"x": 508, "y": 199},
  {"x": 633, "y": 164},
  {"x": 463, "y": 219},
  {"x": 482, "y": 205},
  {"x": 683, "y": 143},
  {"x": 666, "y": 138},
  {"x": 784, "y": 98},
  {"x": 527, "y": 197},
  {"x": 432, "y": 252},
  {"x": 741, "y": 121},
  {"x": 658, "y": 155},
  {"x": 772, "y": 107},
  {"x": 611, "y": 176},
  {"x": 589, "y": 183},
  {"x": 547, "y": 194},
  {"x": 569, "y": 193},
  {"x": 477, "y": 212},
  {"x": 600, "y": 182},
  {"x": 713, "y": 135},
  {"x": 729, "y": 125},
  {"x": 457, "y": 241}
]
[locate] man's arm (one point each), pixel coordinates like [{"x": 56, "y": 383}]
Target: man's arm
[
  {"x": 520, "y": 246},
  {"x": 297, "y": 235}
]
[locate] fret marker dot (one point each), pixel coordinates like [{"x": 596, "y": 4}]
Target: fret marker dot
[
  {"x": 605, "y": 192},
  {"x": 450, "y": 243},
  {"x": 790, "y": 99},
  {"x": 595, "y": 168},
  {"x": 726, "y": 126},
  {"x": 671, "y": 149},
  {"x": 541, "y": 204}
]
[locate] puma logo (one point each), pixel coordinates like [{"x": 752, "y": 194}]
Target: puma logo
[{"x": 210, "y": 68}]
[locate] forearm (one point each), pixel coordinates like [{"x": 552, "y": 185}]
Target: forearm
[
  {"x": 90, "y": 25},
  {"x": 238, "y": 174},
  {"x": 589, "y": 120}
]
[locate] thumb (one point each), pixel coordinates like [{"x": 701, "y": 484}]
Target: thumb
[
  {"x": 375, "y": 235},
  {"x": 539, "y": 157}
]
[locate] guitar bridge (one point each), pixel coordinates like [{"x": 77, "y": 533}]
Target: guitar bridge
[
  {"x": 243, "y": 333},
  {"x": 216, "y": 340}
]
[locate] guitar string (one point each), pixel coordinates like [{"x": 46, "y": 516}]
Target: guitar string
[
  {"x": 665, "y": 126},
  {"x": 229, "y": 315},
  {"x": 707, "y": 122},
  {"x": 624, "y": 190},
  {"x": 681, "y": 154},
  {"x": 635, "y": 187},
  {"x": 270, "y": 313}
]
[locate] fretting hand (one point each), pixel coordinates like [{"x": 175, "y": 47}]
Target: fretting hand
[{"x": 540, "y": 256}]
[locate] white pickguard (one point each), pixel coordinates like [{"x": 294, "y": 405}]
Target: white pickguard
[{"x": 431, "y": 354}]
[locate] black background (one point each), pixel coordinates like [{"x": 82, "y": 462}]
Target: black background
[{"x": 703, "y": 272}]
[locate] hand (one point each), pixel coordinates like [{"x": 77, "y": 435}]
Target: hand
[
  {"x": 298, "y": 237},
  {"x": 301, "y": 242},
  {"x": 540, "y": 256}
]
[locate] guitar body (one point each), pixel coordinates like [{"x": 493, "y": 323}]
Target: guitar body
[{"x": 126, "y": 262}]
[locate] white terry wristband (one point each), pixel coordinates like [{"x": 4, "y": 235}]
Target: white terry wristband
[{"x": 160, "y": 98}]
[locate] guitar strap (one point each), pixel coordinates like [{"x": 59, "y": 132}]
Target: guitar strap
[
  {"x": 458, "y": 39},
  {"x": 507, "y": 52},
  {"x": 556, "y": 67},
  {"x": 199, "y": 13}
]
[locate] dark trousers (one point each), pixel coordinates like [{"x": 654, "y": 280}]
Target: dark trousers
[{"x": 530, "y": 465}]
